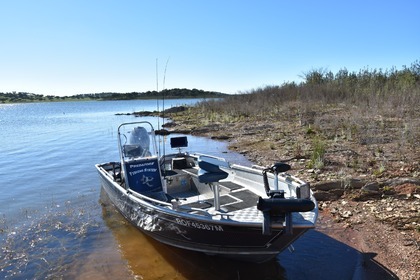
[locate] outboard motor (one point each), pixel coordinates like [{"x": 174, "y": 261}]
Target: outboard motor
[
  {"x": 276, "y": 206},
  {"x": 138, "y": 143}
]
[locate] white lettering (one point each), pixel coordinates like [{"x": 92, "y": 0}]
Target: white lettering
[
  {"x": 191, "y": 224},
  {"x": 142, "y": 164},
  {"x": 150, "y": 169}
]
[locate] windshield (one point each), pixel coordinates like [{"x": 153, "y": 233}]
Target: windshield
[{"x": 137, "y": 140}]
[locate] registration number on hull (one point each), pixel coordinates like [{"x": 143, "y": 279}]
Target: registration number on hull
[{"x": 197, "y": 225}]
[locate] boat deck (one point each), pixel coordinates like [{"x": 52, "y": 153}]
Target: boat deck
[
  {"x": 238, "y": 202},
  {"x": 233, "y": 196}
]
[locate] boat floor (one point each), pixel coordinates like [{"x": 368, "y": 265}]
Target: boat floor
[
  {"x": 229, "y": 202},
  {"x": 239, "y": 205},
  {"x": 236, "y": 201}
]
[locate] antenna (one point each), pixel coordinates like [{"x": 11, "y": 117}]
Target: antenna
[
  {"x": 163, "y": 90},
  {"x": 157, "y": 90},
  {"x": 163, "y": 100}
]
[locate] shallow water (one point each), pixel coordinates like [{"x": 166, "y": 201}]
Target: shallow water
[{"x": 55, "y": 224}]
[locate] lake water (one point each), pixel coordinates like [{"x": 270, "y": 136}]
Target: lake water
[{"x": 55, "y": 222}]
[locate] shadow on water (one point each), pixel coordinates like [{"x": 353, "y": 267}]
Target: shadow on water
[{"x": 316, "y": 256}]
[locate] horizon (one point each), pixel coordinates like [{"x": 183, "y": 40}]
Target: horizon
[
  {"x": 112, "y": 92},
  {"x": 68, "y": 48}
]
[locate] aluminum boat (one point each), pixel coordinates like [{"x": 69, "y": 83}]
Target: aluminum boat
[{"x": 204, "y": 203}]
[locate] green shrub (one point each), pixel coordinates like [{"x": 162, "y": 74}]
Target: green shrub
[{"x": 318, "y": 153}]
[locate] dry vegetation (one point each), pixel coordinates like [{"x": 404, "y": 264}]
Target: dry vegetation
[
  {"x": 369, "y": 109},
  {"x": 353, "y": 136}
]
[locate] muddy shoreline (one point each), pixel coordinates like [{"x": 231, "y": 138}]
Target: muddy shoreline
[{"x": 376, "y": 213}]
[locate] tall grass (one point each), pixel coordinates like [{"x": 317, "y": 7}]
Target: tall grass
[
  {"x": 370, "y": 108},
  {"x": 367, "y": 88},
  {"x": 364, "y": 99}
]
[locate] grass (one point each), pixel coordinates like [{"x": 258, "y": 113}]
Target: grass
[
  {"x": 358, "y": 107},
  {"x": 318, "y": 153},
  {"x": 387, "y": 92}
]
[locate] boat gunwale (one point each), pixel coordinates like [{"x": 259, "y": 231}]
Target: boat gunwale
[{"x": 163, "y": 207}]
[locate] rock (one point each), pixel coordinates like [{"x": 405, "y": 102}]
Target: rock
[
  {"x": 144, "y": 113},
  {"x": 372, "y": 187},
  {"x": 347, "y": 214},
  {"x": 339, "y": 184},
  {"x": 327, "y": 186},
  {"x": 400, "y": 181},
  {"x": 221, "y": 137},
  {"x": 356, "y": 184},
  {"x": 324, "y": 196},
  {"x": 162, "y": 132},
  {"x": 175, "y": 109},
  {"x": 327, "y": 196},
  {"x": 169, "y": 124}
]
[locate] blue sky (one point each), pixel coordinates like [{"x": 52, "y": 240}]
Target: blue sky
[{"x": 88, "y": 46}]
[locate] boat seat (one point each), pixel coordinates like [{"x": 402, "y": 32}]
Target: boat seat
[
  {"x": 211, "y": 177},
  {"x": 209, "y": 169},
  {"x": 143, "y": 175},
  {"x": 211, "y": 164}
]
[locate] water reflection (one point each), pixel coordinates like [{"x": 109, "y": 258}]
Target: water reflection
[
  {"x": 316, "y": 256},
  {"x": 148, "y": 259}
]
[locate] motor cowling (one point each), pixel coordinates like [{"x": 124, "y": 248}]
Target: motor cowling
[
  {"x": 279, "y": 208},
  {"x": 283, "y": 205}
]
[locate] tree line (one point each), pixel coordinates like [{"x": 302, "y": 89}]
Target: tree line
[{"x": 14, "y": 97}]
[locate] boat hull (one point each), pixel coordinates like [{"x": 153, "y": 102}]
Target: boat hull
[{"x": 223, "y": 237}]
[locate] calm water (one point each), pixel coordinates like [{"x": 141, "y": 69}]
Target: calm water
[{"x": 56, "y": 224}]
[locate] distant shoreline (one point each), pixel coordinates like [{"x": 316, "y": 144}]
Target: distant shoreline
[{"x": 24, "y": 97}]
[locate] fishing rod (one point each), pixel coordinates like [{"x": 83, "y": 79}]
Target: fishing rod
[
  {"x": 163, "y": 109},
  {"x": 157, "y": 90},
  {"x": 163, "y": 99}
]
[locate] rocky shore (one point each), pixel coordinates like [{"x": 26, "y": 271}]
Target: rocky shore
[{"x": 370, "y": 206}]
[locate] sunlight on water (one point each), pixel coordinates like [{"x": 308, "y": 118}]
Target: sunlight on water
[{"x": 46, "y": 241}]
